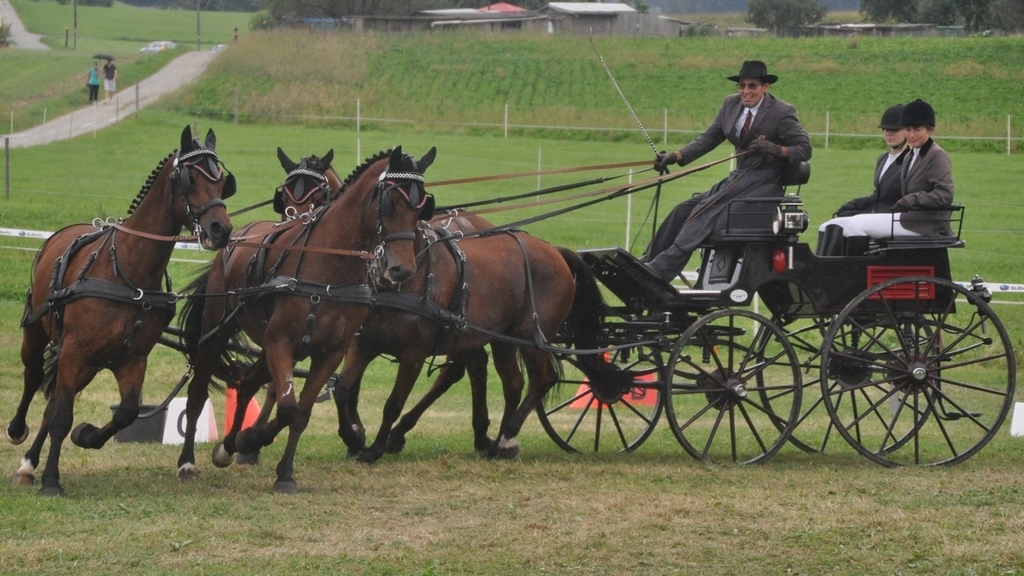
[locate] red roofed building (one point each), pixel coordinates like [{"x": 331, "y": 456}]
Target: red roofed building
[{"x": 502, "y": 7}]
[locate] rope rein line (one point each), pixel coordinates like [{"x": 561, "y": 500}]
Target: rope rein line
[
  {"x": 533, "y": 194},
  {"x": 610, "y": 191},
  {"x": 539, "y": 173},
  {"x": 621, "y": 95}
]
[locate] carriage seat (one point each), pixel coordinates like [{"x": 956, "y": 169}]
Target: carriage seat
[{"x": 918, "y": 242}]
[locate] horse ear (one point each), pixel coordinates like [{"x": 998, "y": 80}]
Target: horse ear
[
  {"x": 211, "y": 140},
  {"x": 186, "y": 138},
  {"x": 396, "y": 157},
  {"x": 287, "y": 163},
  {"x": 427, "y": 159},
  {"x": 327, "y": 159}
]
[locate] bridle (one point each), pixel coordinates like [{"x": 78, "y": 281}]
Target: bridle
[
  {"x": 299, "y": 186},
  {"x": 410, "y": 185},
  {"x": 204, "y": 160}
]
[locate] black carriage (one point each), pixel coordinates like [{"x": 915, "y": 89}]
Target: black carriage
[{"x": 882, "y": 348}]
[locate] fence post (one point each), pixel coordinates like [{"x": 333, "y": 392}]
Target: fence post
[
  {"x": 12, "y": 122},
  {"x": 629, "y": 210},
  {"x": 7, "y": 167},
  {"x": 236, "y": 104},
  {"x": 71, "y": 124},
  {"x": 357, "y": 116},
  {"x": 506, "y": 119},
  {"x": 826, "y": 129},
  {"x": 538, "y": 170},
  {"x": 664, "y": 131},
  {"x": 1007, "y": 134}
]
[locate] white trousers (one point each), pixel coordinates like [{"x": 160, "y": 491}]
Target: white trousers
[{"x": 883, "y": 225}]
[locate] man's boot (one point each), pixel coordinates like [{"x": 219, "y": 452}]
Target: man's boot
[{"x": 830, "y": 241}]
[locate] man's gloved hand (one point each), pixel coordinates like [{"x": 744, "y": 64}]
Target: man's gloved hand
[
  {"x": 901, "y": 205},
  {"x": 765, "y": 147},
  {"x": 662, "y": 160}
]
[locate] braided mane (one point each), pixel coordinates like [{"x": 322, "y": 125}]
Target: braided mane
[
  {"x": 365, "y": 165},
  {"x": 149, "y": 184}
]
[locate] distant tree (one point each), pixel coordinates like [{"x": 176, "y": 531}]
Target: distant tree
[
  {"x": 1009, "y": 14},
  {"x": 880, "y": 11},
  {"x": 640, "y": 5},
  {"x": 977, "y": 14},
  {"x": 938, "y": 12},
  {"x": 784, "y": 14}
]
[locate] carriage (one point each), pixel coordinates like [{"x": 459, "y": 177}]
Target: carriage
[{"x": 883, "y": 349}]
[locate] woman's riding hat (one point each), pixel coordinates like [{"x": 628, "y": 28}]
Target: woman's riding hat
[
  {"x": 755, "y": 69},
  {"x": 891, "y": 118},
  {"x": 918, "y": 113}
]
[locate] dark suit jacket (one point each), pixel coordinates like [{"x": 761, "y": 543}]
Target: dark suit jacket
[
  {"x": 888, "y": 189},
  {"x": 776, "y": 120},
  {"x": 928, "y": 184}
]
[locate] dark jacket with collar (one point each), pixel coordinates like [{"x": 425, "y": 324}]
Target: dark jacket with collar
[
  {"x": 888, "y": 189},
  {"x": 775, "y": 120},
  {"x": 928, "y": 183}
]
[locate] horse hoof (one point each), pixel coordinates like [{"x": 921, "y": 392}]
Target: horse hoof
[
  {"x": 395, "y": 444},
  {"x": 288, "y": 487},
  {"x": 23, "y": 479},
  {"x": 247, "y": 459},
  {"x": 509, "y": 453},
  {"x": 51, "y": 491},
  {"x": 12, "y": 439},
  {"x": 244, "y": 441},
  {"x": 367, "y": 457},
  {"x": 188, "y": 472},
  {"x": 80, "y": 430},
  {"x": 220, "y": 456}
]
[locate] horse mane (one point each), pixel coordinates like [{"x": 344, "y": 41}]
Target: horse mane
[
  {"x": 149, "y": 184},
  {"x": 365, "y": 165}
]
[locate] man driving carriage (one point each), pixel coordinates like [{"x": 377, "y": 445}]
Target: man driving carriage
[{"x": 762, "y": 128}]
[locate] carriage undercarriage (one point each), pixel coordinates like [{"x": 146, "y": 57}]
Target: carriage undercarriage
[{"x": 882, "y": 349}]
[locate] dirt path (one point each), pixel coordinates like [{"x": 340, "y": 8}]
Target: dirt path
[
  {"x": 20, "y": 38},
  {"x": 174, "y": 75}
]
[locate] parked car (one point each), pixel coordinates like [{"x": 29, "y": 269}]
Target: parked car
[{"x": 158, "y": 46}]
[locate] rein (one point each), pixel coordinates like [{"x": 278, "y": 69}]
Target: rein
[{"x": 539, "y": 173}]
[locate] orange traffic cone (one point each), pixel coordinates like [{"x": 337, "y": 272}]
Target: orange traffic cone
[{"x": 252, "y": 411}]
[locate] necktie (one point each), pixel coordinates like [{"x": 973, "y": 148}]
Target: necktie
[{"x": 746, "y": 125}]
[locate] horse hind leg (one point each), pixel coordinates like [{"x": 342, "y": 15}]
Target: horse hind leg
[
  {"x": 506, "y": 364},
  {"x": 129, "y": 378},
  {"x": 33, "y": 356}
]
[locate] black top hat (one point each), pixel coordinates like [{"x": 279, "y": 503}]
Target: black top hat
[
  {"x": 918, "y": 113},
  {"x": 755, "y": 69},
  {"x": 891, "y": 118}
]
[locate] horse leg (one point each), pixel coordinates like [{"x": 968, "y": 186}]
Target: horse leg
[
  {"x": 33, "y": 348},
  {"x": 540, "y": 367},
  {"x": 248, "y": 441},
  {"x": 408, "y": 372},
  {"x": 130, "y": 377},
  {"x": 72, "y": 377},
  {"x": 257, "y": 375},
  {"x": 346, "y": 398},
  {"x": 320, "y": 370},
  {"x": 198, "y": 394},
  {"x": 269, "y": 401},
  {"x": 449, "y": 375},
  {"x": 507, "y": 367}
]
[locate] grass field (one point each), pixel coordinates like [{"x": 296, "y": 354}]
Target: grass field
[{"x": 436, "y": 508}]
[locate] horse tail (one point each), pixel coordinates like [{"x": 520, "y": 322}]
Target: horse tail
[
  {"x": 582, "y": 327},
  {"x": 191, "y": 327},
  {"x": 50, "y": 356}
]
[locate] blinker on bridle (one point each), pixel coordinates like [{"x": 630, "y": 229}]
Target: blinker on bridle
[
  {"x": 211, "y": 170},
  {"x": 295, "y": 184}
]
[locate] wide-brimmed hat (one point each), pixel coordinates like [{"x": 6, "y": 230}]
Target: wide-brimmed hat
[
  {"x": 891, "y": 118},
  {"x": 755, "y": 69},
  {"x": 918, "y": 113}
]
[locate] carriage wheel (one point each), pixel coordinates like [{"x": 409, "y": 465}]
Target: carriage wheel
[
  {"x": 734, "y": 390},
  {"x": 907, "y": 382},
  {"x": 813, "y": 427},
  {"x": 581, "y": 419}
]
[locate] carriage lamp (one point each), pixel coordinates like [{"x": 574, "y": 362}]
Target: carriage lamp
[
  {"x": 790, "y": 217},
  {"x": 979, "y": 287}
]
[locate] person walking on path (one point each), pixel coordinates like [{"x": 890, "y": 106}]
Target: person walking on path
[
  {"x": 94, "y": 83},
  {"x": 109, "y": 80},
  {"x": 753, "y": 121}
]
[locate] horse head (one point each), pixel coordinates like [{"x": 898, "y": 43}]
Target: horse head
[
  {"x": 309, "y": 183},
  {"x": 402, "y": 202},
  {"x": 202, "y": 183}
]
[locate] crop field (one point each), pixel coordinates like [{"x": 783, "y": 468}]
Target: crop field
[{"x": 437, "y": 508}]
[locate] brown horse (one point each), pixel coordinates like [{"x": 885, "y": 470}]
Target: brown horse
[
  {"x": 308, "y": 185},
  {"x": 97, "y": 302},
  {"x": 302, "y": 291},
  {"x": 513, "y": 292}
]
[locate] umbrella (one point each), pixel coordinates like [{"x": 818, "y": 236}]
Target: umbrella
[{"x": 103, "y": 56}]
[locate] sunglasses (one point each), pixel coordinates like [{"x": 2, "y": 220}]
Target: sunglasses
[{"x": 749, "y": 85}]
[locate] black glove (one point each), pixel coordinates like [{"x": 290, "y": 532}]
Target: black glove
[
  {"x": 901, "y": 205},
  {"x": 662, "y": 160},
  {"x": 765, "y": 148}
]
